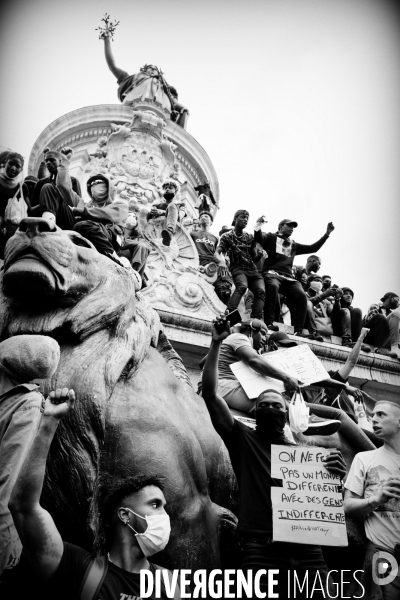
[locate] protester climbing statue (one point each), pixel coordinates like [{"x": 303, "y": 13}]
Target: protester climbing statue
[{"x": 147, "y": 85}]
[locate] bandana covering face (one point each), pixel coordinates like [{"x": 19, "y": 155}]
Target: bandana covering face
[
  {"x": 99, "y": 192},
  {"x": 271, "y": 423}
]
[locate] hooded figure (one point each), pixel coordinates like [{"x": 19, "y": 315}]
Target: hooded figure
[{"x": 101, "y": 220}]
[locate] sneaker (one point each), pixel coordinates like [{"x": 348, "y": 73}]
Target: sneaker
[
  {"x": 272, "y": 327},
  {"x": 304, "y": 335},
  {"x": 316, "y": 336},
  {"x": 347, "y": 343},
  {"x": 364, "y": 347},
  {"x": 386, "y": 352},
  {"x": 166, "y": 237},
  {"x": 318, "y": 426}
]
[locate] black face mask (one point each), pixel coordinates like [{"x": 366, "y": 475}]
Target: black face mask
[
  {"x": 271, "y": 422},
  {"x": 169, "y": 195}
]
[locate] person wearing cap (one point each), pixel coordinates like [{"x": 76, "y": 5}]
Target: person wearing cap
[
  {"x": 373, "y": 493},
  {"x": 206, "y": 245},
  {"x": 346, "y": 320},
  {"x": 169, "y": 208},
  {"x": 23, "y": 358},
  {"x": 277, "y": 270},
  {"x": 250, "y": 453},
  {"x": 384, "y": 323},
  {"x": 241, "y": 249},
  {"x": 46, "y": 196}
]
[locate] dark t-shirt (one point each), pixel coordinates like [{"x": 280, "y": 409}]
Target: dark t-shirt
[
  {"x": 240, "y": 250},
  {"x": 344, "y": 401},
  {"x": 250, "y": 456},
  {"x": 206, "y": 244},
  {"x": 67, "y": 581},
  {"x": 6, "y": 194},
  {"x": 52, "y": 179}
]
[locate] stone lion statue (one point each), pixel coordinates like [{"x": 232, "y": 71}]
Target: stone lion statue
[{"x": 136, "y": 410}]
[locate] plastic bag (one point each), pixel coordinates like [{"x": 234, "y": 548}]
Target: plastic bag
[
  {"x": 16, "y": 209},
  {"x": 298, "y": 413}
]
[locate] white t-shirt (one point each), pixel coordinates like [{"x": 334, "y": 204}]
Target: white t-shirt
[{"x": 368, "y": 473}]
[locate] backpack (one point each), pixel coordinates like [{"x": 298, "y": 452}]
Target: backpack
[{"x": 96, "y": 573}]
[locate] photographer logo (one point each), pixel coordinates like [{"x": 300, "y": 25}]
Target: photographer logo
[{"x": 384, "y": 568}]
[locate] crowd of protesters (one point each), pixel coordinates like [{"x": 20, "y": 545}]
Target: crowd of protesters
[{"x": 257, "y": 266}]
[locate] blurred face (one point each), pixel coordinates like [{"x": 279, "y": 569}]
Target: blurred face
[
  {"x": 13, "y": 167},
  {"x": 259, "y": 339},
  {"x": 205, "y": 219},
  {"x": 151, "y": 71},
  {"x": 131, "y": 221},
  {"x": 242, "y": 220},
  {"x": 314, "y": 264},
  {"x": 347, "y": 297},
  {"x": 287, "y": 229},
  {"x": 169, "y": 191},
  {"x": 52, "y": 163},
  {"x": 304, "y": 278},
  {"x": 386, "y": 421},
  {"x": 394, "y": 302},
  {"x": 327, "y": 282},
  {"x": 374, "y": 309}
]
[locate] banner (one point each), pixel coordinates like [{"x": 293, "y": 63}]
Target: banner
[
  {"x": 308, "y": 509},
  {"x": 299, "y": 362}
]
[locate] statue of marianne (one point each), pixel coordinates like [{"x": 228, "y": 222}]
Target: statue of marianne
[{"x": 148, "y": 84}]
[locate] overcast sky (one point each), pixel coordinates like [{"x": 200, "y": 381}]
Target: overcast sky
[{"x": 297, "y": 103}]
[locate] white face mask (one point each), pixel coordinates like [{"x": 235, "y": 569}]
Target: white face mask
[
  {"x": 316, "y": 286},
  {"x": 156, "y": 536}
]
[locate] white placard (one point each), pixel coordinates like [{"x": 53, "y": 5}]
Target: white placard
[
  {"x": 299, "y": 362},
  {"x": 308, "y": 509}
]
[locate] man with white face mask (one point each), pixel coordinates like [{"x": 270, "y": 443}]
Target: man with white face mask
[{"x": 132, "y": 515}]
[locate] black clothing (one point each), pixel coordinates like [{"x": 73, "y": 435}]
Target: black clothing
[
  {"x": 52, "y": 201},
  {"x": 281, "y": 251},
  {"x": 52, "y": 179},
  {"x": 206, "y": 244},
  {"x": 102, "y": 236},
  {"x": 255, "y": 283},
  {"x": 68, "y": 579},
  {"x": 250, "y": 455},
  {"x": 240, "y": 250},
  {"x": 296, "y": 299},
  {"x": 379, "y": 331}
]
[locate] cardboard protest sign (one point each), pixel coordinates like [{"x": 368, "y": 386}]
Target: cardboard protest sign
[
  {"x": 308, "y": 509},
  {"x": 299, "y": 361}
]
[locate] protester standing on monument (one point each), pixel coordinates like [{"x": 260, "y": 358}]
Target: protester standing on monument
[
  {"x": 250, "y": 454},
  {"x": 277, "y": 271},
  {"x": 373, "y": 493},
  {"x": 132, "y": 512},
  {"x": 241, "y": 249}
]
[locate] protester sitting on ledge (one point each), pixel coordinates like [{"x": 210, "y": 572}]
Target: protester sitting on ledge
[
  {"x": 126, "y": 511},
  {"x": 383, "y": 323},
  {"x": 346, "y": 320},
  {"x": 317, "y": 305},
  {"x": 11, "y": 185},
  {"x": 169, "y": 209},
  {"x": 250, "y": 454},
  {"x": 277, "y": 271},
  {"x": 241, "y": 249}
]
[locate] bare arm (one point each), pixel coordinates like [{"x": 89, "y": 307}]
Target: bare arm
[
  {"x": 63, "y": 181},
  {"x": 220, "y": 414},
  {"x": 355, "y": 506},
  {"x": 352, "y": 359},
  {"x": 250, "y": 357},
  {"x": 40, "y": 538},
  {"x": 110, "y": 58}
]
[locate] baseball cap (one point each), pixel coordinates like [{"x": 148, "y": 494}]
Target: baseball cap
[
  {"x": 241, "y": 211},
  {"x": 287, "y": 222},
  {"x": 281, "y": 339},
  {"x": 347, "y": 289},
  {"x": 388, "y": 295}
]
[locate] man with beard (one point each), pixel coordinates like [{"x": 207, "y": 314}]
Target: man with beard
[
  {"x": 169, "y": 208},
  {"x": 250, "y": 454},
  {"x": 373, "y": 492}
]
